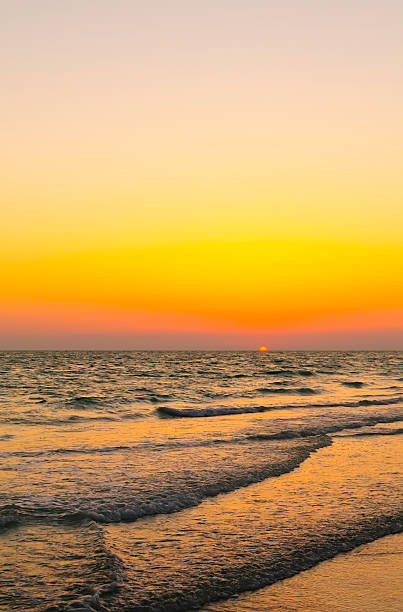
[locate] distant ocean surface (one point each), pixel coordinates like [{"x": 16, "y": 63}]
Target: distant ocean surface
[{"x": 166, "y": 481}]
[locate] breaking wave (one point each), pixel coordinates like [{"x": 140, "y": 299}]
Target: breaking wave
[
  {"x": 376, "y": 432},
  {"x": 176, "y": 492},
  {"x": 229, "y": 410},
  {"x": 97, "y": 446},
  {"x": 268, "y": 532}
]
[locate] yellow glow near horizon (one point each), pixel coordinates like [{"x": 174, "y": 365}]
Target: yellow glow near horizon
[{"x": 169, "y": 167}]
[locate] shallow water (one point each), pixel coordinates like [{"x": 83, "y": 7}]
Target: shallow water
[
  {"x": 265, "y": 532},
  {"x": 368, "y": 578},
  {"x": 88, "y": 452}
]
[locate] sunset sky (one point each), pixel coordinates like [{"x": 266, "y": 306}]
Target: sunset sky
[{"x": 201, "y": 174}]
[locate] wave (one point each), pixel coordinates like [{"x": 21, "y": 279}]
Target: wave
[
  {"x": 235, "y": 376},
  {"x": 275, "y": 390},
  {"x": 287, "y": 433},
  {"x": 377, "y": 432},
  {"x": 289, "y": 390},
  {"x": 288, "y": 372},
  {"x": 30, "y": 419},
  {"x": 85, "y": 400},
  {"x": 275, "y": 372},
  {"x": 297, "y": 444},
  {"x": 280, "y": 372},
  {"x": 233, "y": 410},
  {"x": 154, "y": 399},
  {"x": 178, "y": 493},
  {"x": 328, "y": 429},
  {"x": 250, "y": 574},
  {"x": 250, "y": 539},
  {"x": 5, "y": 437},
  {"x": 271, "y": 390},
  {"x": 144, "y": 374},
  {"x": 67, "y": 451},
  {"x": 8, "y": 517},
  {"x": 356, "y": 384},
  {"x": 65, "y": 569},
  {"x": 108, "y": 566}
]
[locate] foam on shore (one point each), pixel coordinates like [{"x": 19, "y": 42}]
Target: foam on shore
[
  {"x": 343, "y": 496},
  {"x": 368, "y": 578}
]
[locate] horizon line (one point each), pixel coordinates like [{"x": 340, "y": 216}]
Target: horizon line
[{"x": 198, "y": 350}]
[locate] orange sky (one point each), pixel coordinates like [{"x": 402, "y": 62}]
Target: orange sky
[{"x": 229, "y": 171}]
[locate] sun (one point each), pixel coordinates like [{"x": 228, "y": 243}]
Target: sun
[{"x": 262, "y": 349}]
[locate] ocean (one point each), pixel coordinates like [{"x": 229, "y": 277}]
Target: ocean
[{"x": 174, "y": 481}]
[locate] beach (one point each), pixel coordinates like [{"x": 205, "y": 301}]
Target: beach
[
  {"x": 172, "y": 481},
  {"x": 368, "y": 578}
]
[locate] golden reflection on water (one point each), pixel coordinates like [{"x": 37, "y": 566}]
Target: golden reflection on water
[
  {"x": 367, "y": 579},
  {"x": 231, "y": 542},
  {"x": 75, "y": 447},
  {"x": 253, "y": 536},
  {"x": 45, "y": 564}
]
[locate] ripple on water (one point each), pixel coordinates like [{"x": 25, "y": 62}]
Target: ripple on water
[
  {"x": 335, "y": 585},
  {"x": 341, "y": 497}
]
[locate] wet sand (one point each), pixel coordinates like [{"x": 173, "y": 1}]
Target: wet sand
[
  {"x": 341, "y": 497},
  {"x": 369, "y": 579},
  {"x": 106, "y": 505}
]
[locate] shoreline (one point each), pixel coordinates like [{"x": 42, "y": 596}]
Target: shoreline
[
  {"x": 331, "y": 504},
  {"x": 366, "y": 578}
]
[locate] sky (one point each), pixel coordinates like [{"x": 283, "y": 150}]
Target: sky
[{"x": 201, "y": 175}]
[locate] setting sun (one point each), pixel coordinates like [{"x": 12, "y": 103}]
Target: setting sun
[{"x": 263, "y": 349}]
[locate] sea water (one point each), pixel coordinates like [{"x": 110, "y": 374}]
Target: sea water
[{"x": 169, "y": 480}]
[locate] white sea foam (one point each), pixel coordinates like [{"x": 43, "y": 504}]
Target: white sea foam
[{"x": 83, "y": 442}]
